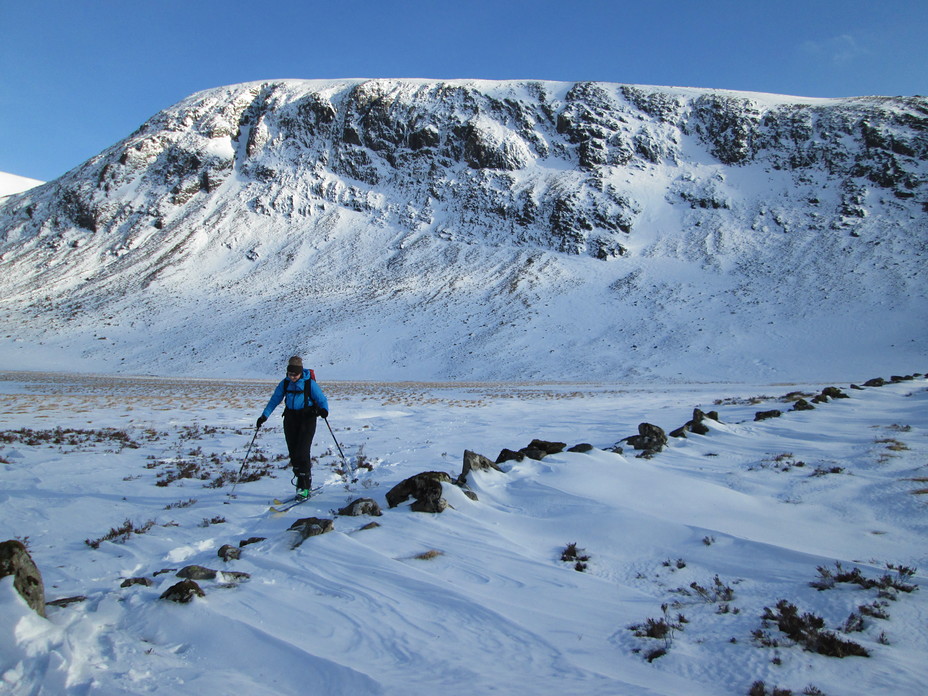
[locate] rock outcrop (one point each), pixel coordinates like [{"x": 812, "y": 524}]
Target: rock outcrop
[{"x": 15, "y": 560}]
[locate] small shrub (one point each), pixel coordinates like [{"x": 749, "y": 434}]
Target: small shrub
[
  {"x": 808, "y": 631},
  {"x": 853, "y": 624},
  {"x": 717, "y": 592},
  {"x": 571, "y": 554},
  {"x": 885, "y": 583},
  {"x": 652, "y": 655},
  {"x": 181, "y": 504},
  {"x": 826, "y": 470},
  {"x": 759, "y": 688},
  {"x": 659, "y": 629},
  {"x": 120, "y": 534},
  {"x": 218, "y": 519},
  {"x": 874, "y": 610}
]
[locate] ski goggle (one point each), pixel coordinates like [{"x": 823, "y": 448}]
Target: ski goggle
[{"x": 294, "y": 370}]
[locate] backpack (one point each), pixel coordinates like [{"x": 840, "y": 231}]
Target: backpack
[{"x": 307, "y": 399}]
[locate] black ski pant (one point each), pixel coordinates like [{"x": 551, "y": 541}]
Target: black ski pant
[{"x": 299, "y": 430}]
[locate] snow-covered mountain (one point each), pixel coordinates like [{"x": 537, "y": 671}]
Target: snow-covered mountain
[
  {"x": 401, "y": 229},
  {"x": 13, "y": 183}
]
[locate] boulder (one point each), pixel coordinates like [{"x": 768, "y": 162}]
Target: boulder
[
  {"x": 129, "y": 582},
  {"x": 764, "y": 415},
  {"x": 361, "y": 506},
  {"x": 695, "y": 424},
  {"x": 534, "y": 453},
  {"x": 508, "y": 455},
  {"x": 15, "y": 560},
  {"x": 582, "y": 448},
  {"x": 196, "y": 572},
  {"x": 230, "y": 553},
  {"x": 232, "y": 578},
  {"x": 548, "y": 447},
  {"x": 802, "y": 405},
  {"x": 183, "y": 592},
  {"x": 875, "y": 382},
  {"x": 424, "y": 487},
  {"x": 650, "y": 438},
  {"x": 310, "y": 527},
  {"x": 474, "y": 462}
]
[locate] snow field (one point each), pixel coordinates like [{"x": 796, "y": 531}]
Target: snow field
[{"x": 492, "y": 608}]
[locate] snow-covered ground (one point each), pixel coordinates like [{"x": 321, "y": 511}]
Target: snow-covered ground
[
  {"x": 13, "y": 183},
  {"x": 698, "y": 541}
]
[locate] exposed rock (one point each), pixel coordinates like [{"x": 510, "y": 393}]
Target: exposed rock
[
  {"x": 764, "y": 415},
  {"x": 424, "y": 487},
  {"x": 183, "y": 592},
  {"x": 508, "y": 455},
  {"x": 474, "y": 462},
  {"x": 548, "y": 447},
  {"x": 196, "y": 572},
  {"x": 15, "y": 560},
  {"x": 802, "y": 405},
  {"x": 310, "y": 527},
  {"x": 129, "y": 582},
  {"x": 67, "y": 601},
  {"x": 834, "y": 393},
  {"x": 233, "y": 577},
  {"x": 535, "y": 453},
  {"x": 361, "y": 506},
  {"x": 431, "y": 501},
  {"x": 250, "y": 540},
  {"x": 582, "y": 448},
  {"x": 650, "y": 438},
  {"x": 875, "y": 382},
  {"x": 695, "y": 425},
  {"x": 230, "y": 553}
]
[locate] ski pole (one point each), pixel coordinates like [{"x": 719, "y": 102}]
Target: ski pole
[
  {"x": 244, "y": 461},
  {"x": 344, "y": 461}
]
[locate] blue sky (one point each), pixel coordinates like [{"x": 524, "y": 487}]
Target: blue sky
[{"x": 79, "y": 75}]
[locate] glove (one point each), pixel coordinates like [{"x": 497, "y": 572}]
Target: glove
[
  {"x": 322, "y": 412},
  {"x": 261, "y": 420}
]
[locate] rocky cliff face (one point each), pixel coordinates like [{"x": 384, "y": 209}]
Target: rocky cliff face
[{"x": 416, "y": 197}]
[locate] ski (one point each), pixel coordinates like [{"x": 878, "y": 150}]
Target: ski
[{"x": 291, "y": 502}]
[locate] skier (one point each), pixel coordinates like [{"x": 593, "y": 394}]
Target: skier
[{"x": 303, "y": 403}]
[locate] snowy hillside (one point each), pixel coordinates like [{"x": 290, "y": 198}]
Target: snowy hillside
[
  {"x": 743, "y": 560},
  {"x": 12, "y": 183},
  {"x": 407, "y": 229}
]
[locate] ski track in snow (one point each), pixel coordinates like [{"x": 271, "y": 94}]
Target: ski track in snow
[{"x": 496, "y": 610}]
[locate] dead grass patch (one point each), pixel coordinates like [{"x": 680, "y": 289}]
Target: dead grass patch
[
  {"x": 892, "y": 444},
  {"x": 428, "y": 555}
]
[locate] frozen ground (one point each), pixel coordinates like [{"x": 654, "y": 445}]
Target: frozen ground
[{"x": 696, "y": 542}]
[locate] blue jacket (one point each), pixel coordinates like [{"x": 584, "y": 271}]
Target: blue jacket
[{"x": 293, "y": 394}]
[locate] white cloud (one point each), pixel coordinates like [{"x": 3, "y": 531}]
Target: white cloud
[{"x": 837, "y": 50}]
